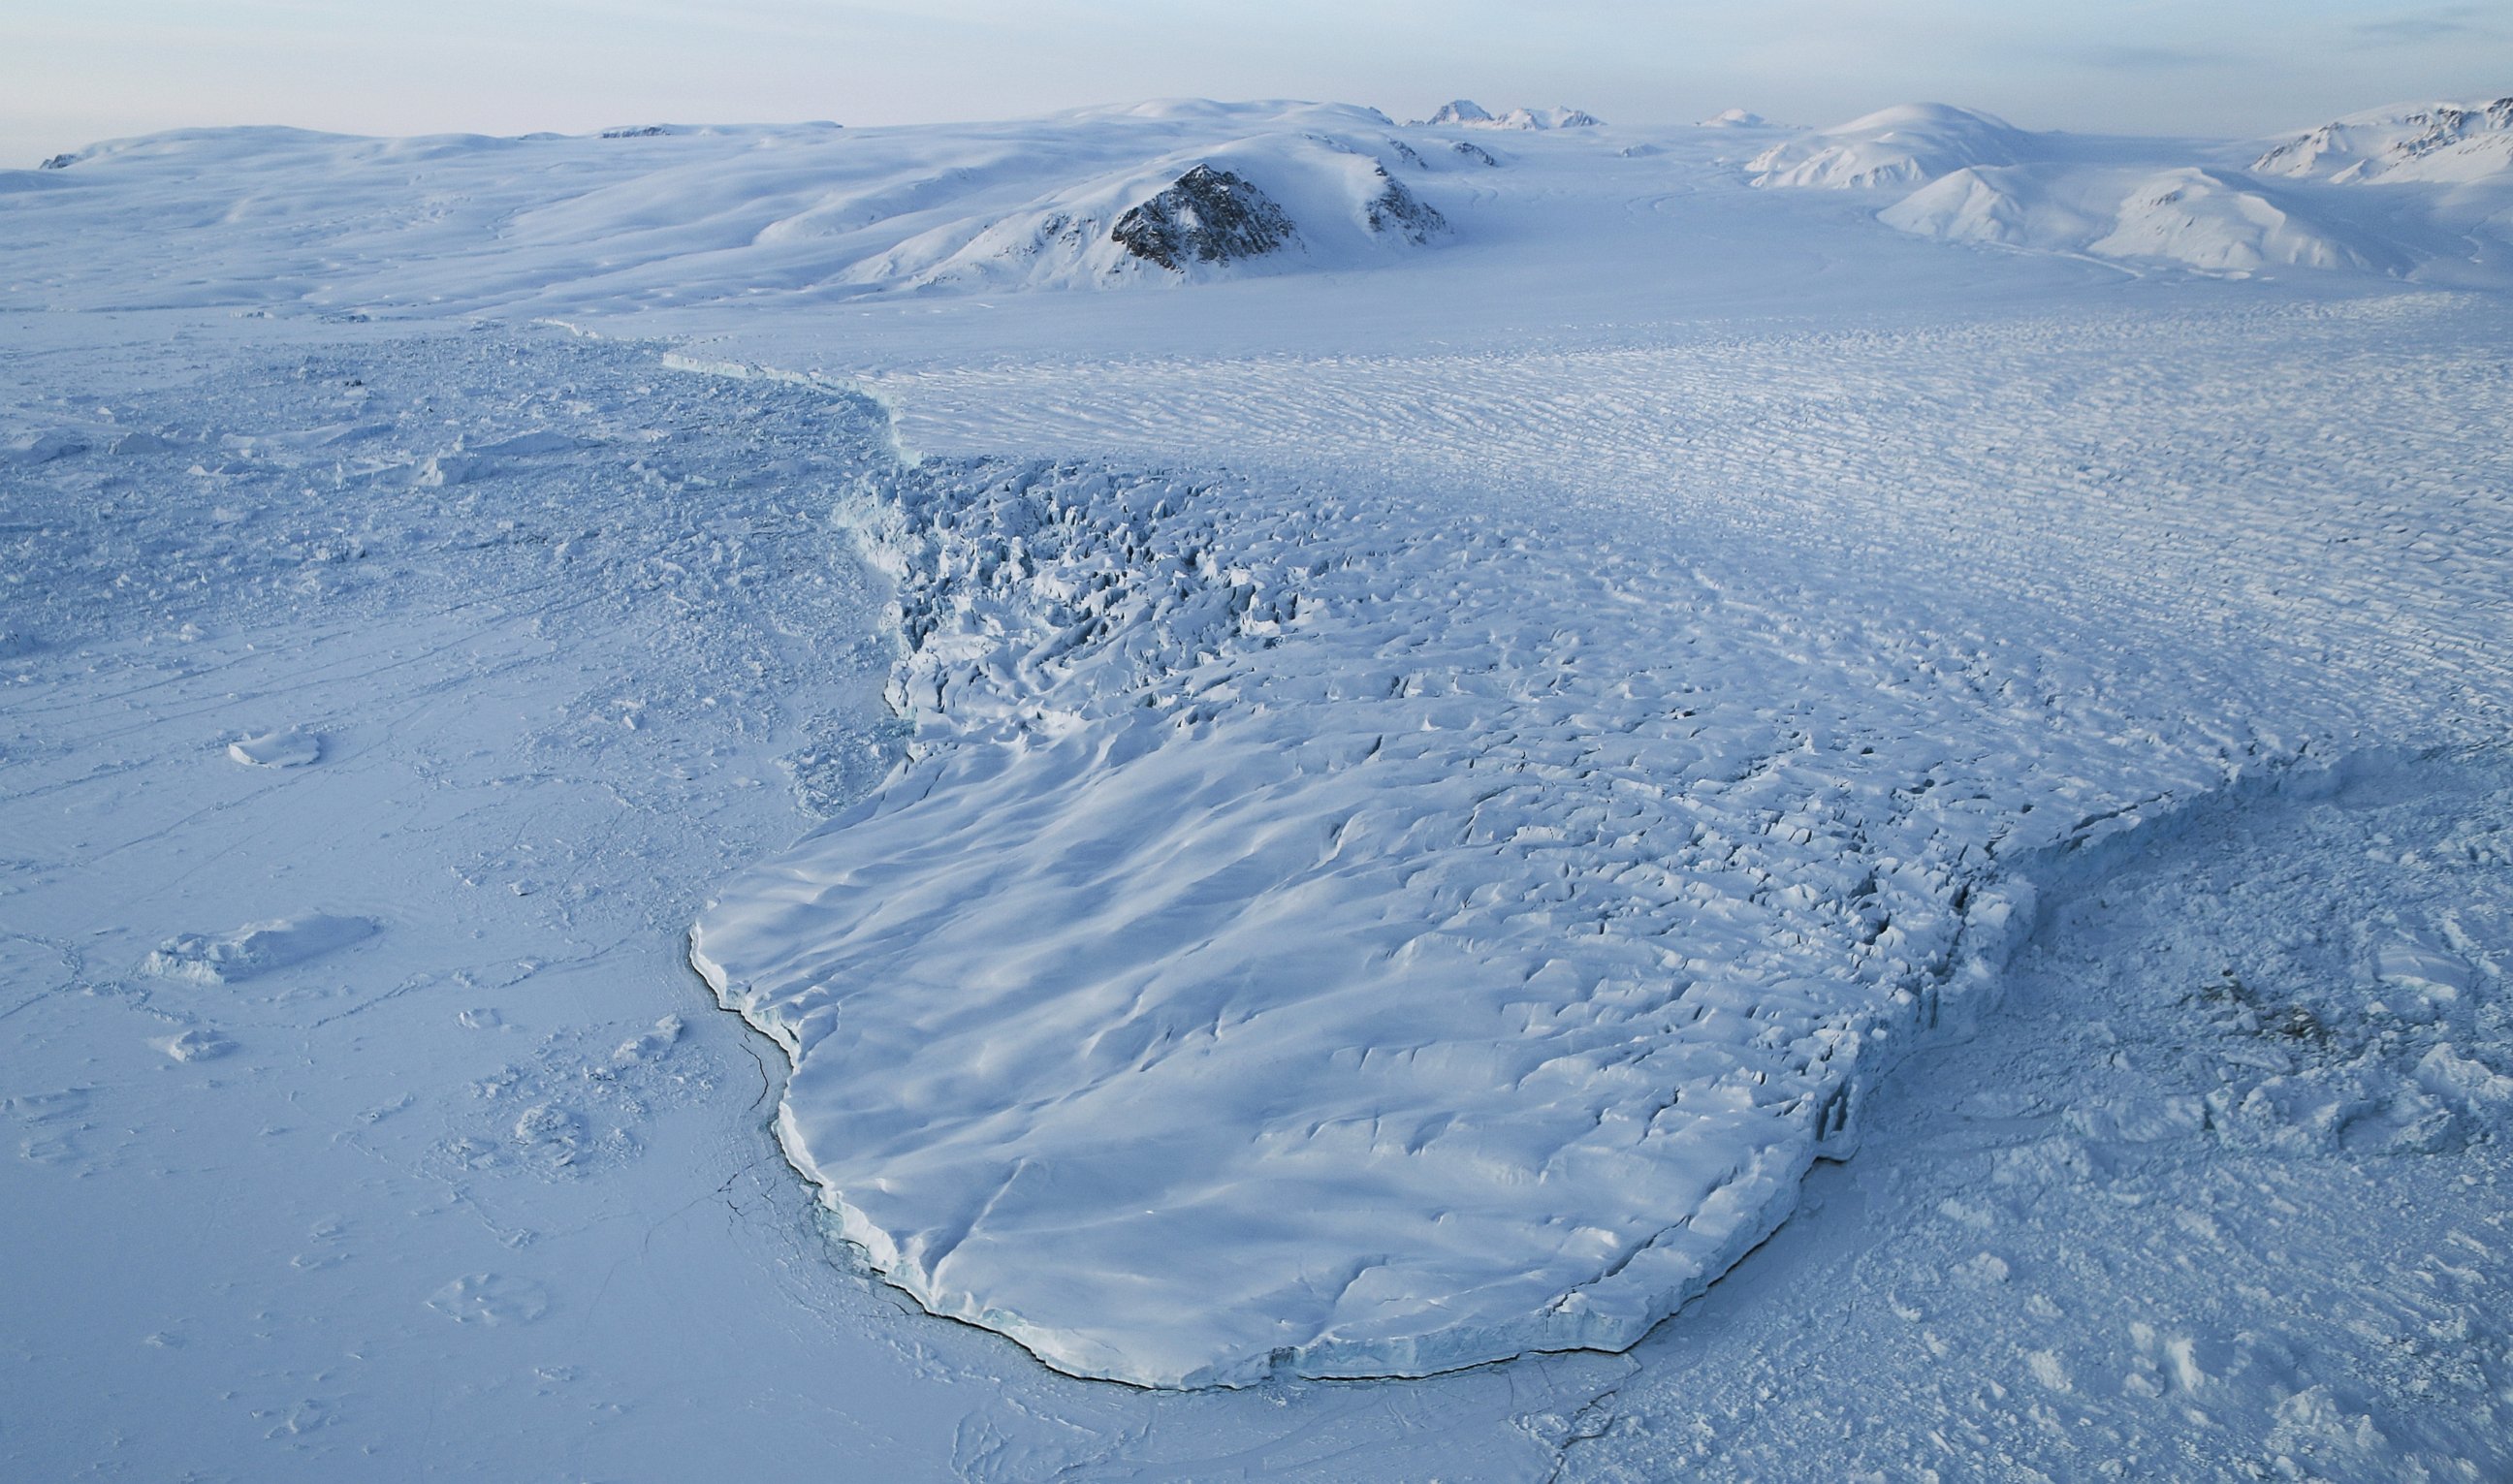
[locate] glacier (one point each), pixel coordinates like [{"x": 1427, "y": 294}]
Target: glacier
[{"x": 1559, "y": 828}]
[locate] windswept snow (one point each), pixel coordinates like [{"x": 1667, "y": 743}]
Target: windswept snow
[{"x": 1268, "y": 204}]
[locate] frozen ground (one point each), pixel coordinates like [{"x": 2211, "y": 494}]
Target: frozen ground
[{"x": 1410, "y": 829}]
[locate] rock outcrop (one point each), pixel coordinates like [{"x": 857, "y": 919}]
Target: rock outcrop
[{"x": 1207, "y": 216}]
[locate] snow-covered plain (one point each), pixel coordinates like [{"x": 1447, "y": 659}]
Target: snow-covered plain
[{"x": 1384, "y": 799}]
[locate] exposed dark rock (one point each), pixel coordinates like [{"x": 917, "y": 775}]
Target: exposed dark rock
[
  {"x": 1205, "y": 215},
  {"x": 1462, "y": 111},
  {"x": 1474, "y": 152},
  {"x": 58, "y": 162},
  {"x": 1398, "y": 209},
  {"x": 647, "y": 132}
]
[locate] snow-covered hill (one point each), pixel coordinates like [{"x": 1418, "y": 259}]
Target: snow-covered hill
[
  {"x": 2206, "y": 220},
  {"x": 2210, "y": 221},
  {"x": 1906, "y": 145}
]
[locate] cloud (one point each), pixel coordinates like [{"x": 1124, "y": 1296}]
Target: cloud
[
  {"x": 2435, "y": 24},
  {"x": 2133, "y": 59}
]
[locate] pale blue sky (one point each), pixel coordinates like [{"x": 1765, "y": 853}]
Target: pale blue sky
[{"x": 74, "y": 71}]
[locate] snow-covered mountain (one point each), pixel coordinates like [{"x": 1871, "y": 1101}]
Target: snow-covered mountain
[
  {"x": 1270, "y": 201},
  {"x": 2432, "y": 142},
  {"x": 1466, "y": 113}
]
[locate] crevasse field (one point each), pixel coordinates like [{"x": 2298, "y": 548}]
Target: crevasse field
[{"x": 1488, "y": 800}]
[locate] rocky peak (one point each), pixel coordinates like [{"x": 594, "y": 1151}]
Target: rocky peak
[{"x": 1205, "y": 215}]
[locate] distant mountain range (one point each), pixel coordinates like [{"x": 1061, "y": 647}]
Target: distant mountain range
[{"x": 1187, "y": 191}]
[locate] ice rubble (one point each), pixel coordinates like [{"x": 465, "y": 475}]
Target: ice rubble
[
  {"x": 1308, "y": 942},
  {"x": 2206, "y": 1188},
  {"x": 255, "y": 949}
]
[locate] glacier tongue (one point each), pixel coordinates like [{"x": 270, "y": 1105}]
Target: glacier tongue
[{"x": 1305, "y": 940}]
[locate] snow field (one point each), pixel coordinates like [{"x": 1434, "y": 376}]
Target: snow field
[
  {"x": 2277, "y": 507},
  {"x": 445, "y": 1058}
]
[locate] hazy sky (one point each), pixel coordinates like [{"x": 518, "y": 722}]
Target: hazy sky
[{"x": 74, "y": 71}]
